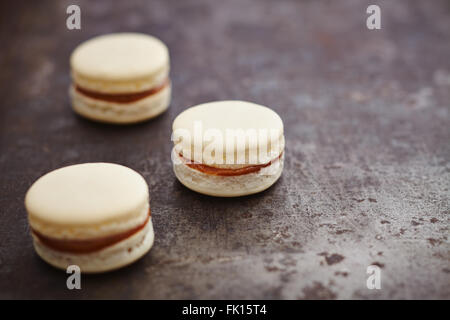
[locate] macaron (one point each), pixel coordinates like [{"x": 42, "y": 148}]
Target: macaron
[
  {"x": 228, "y": 148},
  {"x": 120, "y": 78},
  {"x": 93, "y": 215}
]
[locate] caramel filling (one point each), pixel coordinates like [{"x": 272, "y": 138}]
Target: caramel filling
[
  {"x": 88, "y": 245},
  {"x": 122, "y": 97},
  {"x": 226, "y": 172}
]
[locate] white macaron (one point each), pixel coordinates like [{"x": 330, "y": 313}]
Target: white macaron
[
  {"x": 93, "y": 215},
  {"x": 120, "y": 78},
  {"x": 228, "y": 148}
]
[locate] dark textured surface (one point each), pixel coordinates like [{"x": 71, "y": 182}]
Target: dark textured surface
[{"x": 367, "y": 172}]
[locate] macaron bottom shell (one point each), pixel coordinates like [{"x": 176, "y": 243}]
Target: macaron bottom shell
[
  {"x": 111, "y": 258},
  {"x": 121, "y": 113},
  {"x": 228, "y": 186}
]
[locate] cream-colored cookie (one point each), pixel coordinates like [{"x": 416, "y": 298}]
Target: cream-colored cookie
[
  {"x": 120, "y": 78},
  {"x": 94, "y": 215},
  {"x": 228, "y": 148}
]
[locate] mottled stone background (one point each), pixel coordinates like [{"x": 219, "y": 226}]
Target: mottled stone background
[{"x": 367, "y": 172}]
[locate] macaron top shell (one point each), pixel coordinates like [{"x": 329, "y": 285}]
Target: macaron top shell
[
  {"x": 87, "y": 200},
  {"x": 221, "y": 116},
  {"x": 109, "y": 62}
]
